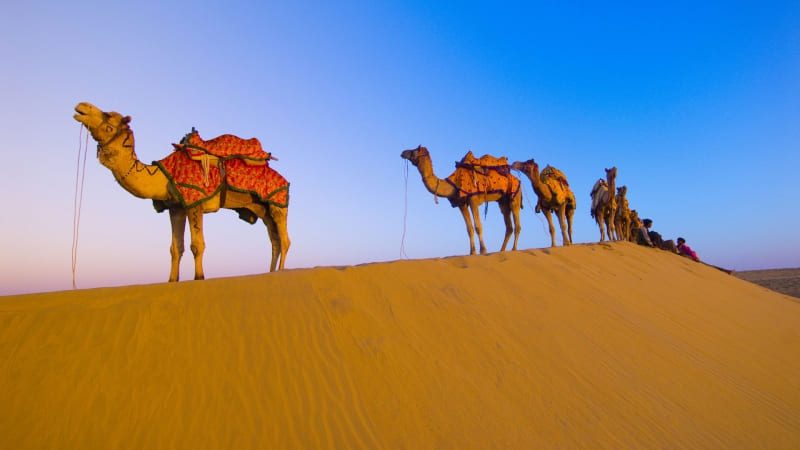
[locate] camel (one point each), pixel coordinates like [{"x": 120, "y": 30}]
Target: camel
[
  {"x": 604, "y": 203},
  {"x": 622, "y": 216},
  {"x": 554, "y": 196},
  {"x": 510, "y": 201},
  {"x": 635, "y": 224},
  {"x": 115, "y": 150}
]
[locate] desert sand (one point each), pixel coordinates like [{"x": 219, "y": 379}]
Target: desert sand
[
  {"x": 591, "y": 346},
  {"x": 785, "y": 281}
]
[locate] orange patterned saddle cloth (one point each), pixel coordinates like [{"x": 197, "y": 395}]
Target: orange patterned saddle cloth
[
  {"x": 484, "y": 175},
  {"x": 226, "y": 146},
  {"x": 484, "y": 164},
  {"x": 198, "y": 170}
]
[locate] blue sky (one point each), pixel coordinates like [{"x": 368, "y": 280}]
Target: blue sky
[{"x": 695, "y": 104}]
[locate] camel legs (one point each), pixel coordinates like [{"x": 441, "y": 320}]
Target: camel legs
[
  {"x": 475, "y": 207},
  {"x": 506, "y": 209},
  {"x": 601, "y": 223},
  {"x": 610, "y": 226},
  {"x": 516, "y": 205},
  {"x": 275, "y": 220},
  {"x": 177, "y": 218},
  {"x": 470, "y": 230},
  {"x": 549, "y": 217},
  {"x": 562, "y": 222},
  {"x": 198, "y": 243},
  {"x": 569, "y": 215}
]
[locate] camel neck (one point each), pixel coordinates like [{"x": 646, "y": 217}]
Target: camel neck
[
  {"x": 141, "y": 180},
  {"x": 434, "y": 184}
]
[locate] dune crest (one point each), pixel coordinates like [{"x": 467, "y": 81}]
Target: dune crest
[{"x": 590, "y": 346}]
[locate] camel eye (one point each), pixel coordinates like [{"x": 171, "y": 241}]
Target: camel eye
[{"x": 109, "y": 128}]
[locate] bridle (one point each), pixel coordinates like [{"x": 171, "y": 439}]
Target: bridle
[{"x": 119, "y": 131}]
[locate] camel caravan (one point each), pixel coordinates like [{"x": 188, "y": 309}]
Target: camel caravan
[
  {"x": 481, "y": 180},
  {"x": 229, "y": 172}
]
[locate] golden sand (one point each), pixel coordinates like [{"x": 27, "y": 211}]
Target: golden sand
[{"x": 593, "y": 346}]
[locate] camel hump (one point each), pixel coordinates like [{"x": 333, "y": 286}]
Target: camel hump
[
  {"x": 553, "y": 173},
  {"x": 225, "y": 146},
  {"x": 484, "y": 163},
  {"x": 600, "y": 184},
  {"x": 599, "y": 195}
]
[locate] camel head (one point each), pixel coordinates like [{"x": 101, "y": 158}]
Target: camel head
[
  {"x": 611, "y": 173},
  {"x": 415, "y": 155},
  {"x": 105, "y": 127},
  {"x": 528, "y": 166},
  {"x": 622, "y": 190},
  {"x": 635, "y": 218}
]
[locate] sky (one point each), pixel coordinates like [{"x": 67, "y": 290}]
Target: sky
[{"x": 695, "y": 103}]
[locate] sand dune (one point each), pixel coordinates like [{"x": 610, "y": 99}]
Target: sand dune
[{"x": 593, "y": 346}]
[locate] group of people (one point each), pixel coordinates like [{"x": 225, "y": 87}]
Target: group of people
[{"x": 646, "y": 236}]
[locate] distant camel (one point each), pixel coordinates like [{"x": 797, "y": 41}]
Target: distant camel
[
  {"x": 494, "y": 186},
  {"x": 622, "y": 217},
  {"x": 552, "y": 189},
  {"x": 604, "y": 203}
]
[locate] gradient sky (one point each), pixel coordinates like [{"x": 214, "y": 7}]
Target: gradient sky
[{"x": 695, "y": 103}]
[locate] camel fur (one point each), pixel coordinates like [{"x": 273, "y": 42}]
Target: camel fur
[
  {"x": 509, "y": 199},
  {"x": 115, "y": 150},
  {"x": 555, "y": 196}
]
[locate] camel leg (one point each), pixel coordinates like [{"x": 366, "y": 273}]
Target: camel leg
[
  {"x": 505, "y": 209},
  {"x": 275, "y": 220},
  {"x": 569, "y": 223},
  {"x": 601, "y": 223},
  {"x": 549, "y": 217},
  {"x": 476, "y": 217},
  {"x": 177, "y": 218},
  {"x": 470, "y": 229},
  {"x": 610, "y": 226},
  {"x": 516, "y": 205},
  {"x": 562, "y": 222},
  {"x": 198, "y": 243}
]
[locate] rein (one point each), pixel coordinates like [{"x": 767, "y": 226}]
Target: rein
[
  {"x": 80, "y": 175},
  {"x": 405, "y": 215}
]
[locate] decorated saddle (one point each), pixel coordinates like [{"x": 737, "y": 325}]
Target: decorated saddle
[
  {"x": 198, "y": 170},
  {"x": 484, "y": 175},
  {"x": 600, "y": 194},
  {"x": 556, "y": 181}
]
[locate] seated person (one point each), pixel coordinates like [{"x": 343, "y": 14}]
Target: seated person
[
  {"x": 656, "y": 239},
  {"x": 685, "y": 250},
  {"x": 642, "y": 237}
]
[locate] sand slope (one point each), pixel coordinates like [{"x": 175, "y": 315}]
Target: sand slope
[{"x": 593, "y": 346}]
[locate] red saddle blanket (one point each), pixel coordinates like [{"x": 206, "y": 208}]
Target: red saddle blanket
[
  {"x": 226, "y": 146},
  {"x": 198, "y": 173},
  {"x": 485, "y": 175}
]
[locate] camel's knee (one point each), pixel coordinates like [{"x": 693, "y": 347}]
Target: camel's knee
[
  {"x": 176, "y": 250},
  {"x": 198, "y": 248}
]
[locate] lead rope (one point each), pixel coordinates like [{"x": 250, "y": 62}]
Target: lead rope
[
  {"x": 527, "y": 197},
  {"x": 405, "y": 214},
  {"x": 80, "y": 175}
]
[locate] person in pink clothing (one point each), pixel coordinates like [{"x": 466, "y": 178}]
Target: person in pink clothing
[{"x": 685, "y": 250}]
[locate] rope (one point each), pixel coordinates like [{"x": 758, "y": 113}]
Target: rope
[
  {"x": 405, "y": 215},
  {"x": 545, "y": 229},
  {"x": 80, "y": 175}
]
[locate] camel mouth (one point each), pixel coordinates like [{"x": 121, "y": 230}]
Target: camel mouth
[{"x": 82, "y": 113}]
